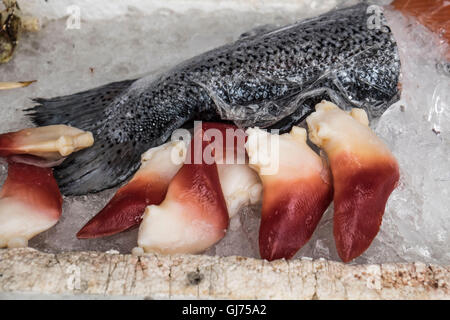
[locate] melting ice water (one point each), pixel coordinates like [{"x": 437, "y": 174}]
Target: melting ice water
[{"x": 416, "y": 223}]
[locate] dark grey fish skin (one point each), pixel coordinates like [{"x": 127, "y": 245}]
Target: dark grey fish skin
[{"x": 269, "y": 79}]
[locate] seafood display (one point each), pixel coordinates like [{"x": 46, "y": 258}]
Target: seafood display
[
  {"x": 284, "y": 117},
  {"x": 193, "y": 215},
  {"x": 241, "y": 186},
  {"x": 148, "y": 186},
  {"x": 270, "y": 79},
  {"x": 185, "y": 205},
  {"x": 30, "y": 201},
  {"x": 51, "y": 142},
  {"x": 295, "y": 197},
  {"x": 185, "y": 193},
  {"x": 239, "y": 183},
  {"x": 364, "y": 175}
]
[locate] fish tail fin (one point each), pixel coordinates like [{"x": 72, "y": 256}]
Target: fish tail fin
[
  {"x": 107, "y": 162},
  {"x": 80, "y": 110}
]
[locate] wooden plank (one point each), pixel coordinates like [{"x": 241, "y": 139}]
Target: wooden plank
[{"x": 153, "y": 276}]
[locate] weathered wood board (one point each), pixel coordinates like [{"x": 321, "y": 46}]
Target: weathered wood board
[{"x": 109, "y": 275}]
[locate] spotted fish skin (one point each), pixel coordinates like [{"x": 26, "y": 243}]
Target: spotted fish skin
[{"x": 269, "y": 79}]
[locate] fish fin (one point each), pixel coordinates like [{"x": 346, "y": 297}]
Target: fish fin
[{"x": 80, "y": 110}]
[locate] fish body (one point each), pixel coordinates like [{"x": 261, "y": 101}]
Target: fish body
[{"x": 269, "y": 79}]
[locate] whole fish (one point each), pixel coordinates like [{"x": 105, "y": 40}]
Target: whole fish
[{"x": 267, "y": 78}]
